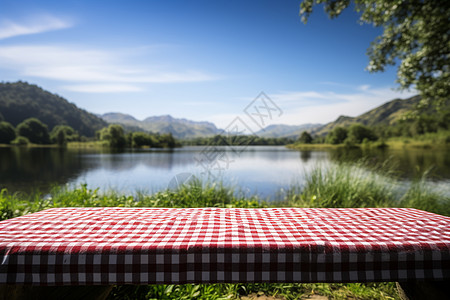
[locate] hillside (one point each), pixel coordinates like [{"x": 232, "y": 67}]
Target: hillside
[
  {"x": 386, "y": 114},
  {"x": 180, "y": 128},
  {"x": 280, "y": 130},
  {"x": 20, "y": 100}
]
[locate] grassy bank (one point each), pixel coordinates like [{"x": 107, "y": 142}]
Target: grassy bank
[
  {"x": 300, "y": 146},
  {"x": 427, "y": 141},
  {"x": 90, "y": 145},
  {"x": 434, "y": 140},
  {"x": 341, "y": 185},
  {"x": 74, "y": 145}
]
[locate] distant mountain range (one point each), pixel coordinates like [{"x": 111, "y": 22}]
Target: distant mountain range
[
  {"x": 291, "y": 131},
  {"x": 386, "y": 114},
  {"x": 20, "y": 101},
  {"x": 186, "y": 129},
  {"x": 180, "y": 128}
]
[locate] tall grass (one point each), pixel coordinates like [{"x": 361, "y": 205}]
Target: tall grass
[
  {"x": 196, "y": 194},
  {"x": 363, "y": 185},
  {"x": 334, "y": 185},
  {"x": 343, "y": 185}
]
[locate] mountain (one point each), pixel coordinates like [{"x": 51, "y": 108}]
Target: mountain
[
  {"x": 386, "y": 114},
  {"x": 280, "y": 130},
  {"x": 120, "y": 118},
  {"x": 20, "y": 101},
  {"x": 180, "y": 128}
]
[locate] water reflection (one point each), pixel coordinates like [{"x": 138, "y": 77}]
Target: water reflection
[
  {"x": 305, "y": 155},
  {"x": 27, "y": 169},
  {"x": 259, "y": 169},
  {"x": 408, "y": 162}
]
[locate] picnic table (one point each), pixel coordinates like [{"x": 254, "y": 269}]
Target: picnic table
[{"x": 114, "y": 246}]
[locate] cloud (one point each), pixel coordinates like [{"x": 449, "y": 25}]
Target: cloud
[
  {"x": 301, "y": 107},
  {"x": 326, "y": 106},
  {"x": 91, "y": 67},
  {"x": 102, "y": 88},
  {"x": 364, "y": 87},
  {"x": 35, "y": 25}
]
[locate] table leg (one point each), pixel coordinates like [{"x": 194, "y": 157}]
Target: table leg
[{"x": 418, "y": 290}]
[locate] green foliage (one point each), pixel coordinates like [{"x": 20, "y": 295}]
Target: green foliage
[
  {"x": 224, "y": 140},
  {"x": 140, "y": 139},
  {"x": 363, "y": 185},
  {"x": 71, "y": 134},
  {"x": 345, "y": 185},
  {"x": 444, "y": 119},
  {"x": 357, "y": 133},
  {"x": 420, "y": 124},
  {"x": 421, "y": 196},
  {"x": 61, "y": 134},
  {"x": 337, "y": 135},
  {"x": 289, "y": 291},
  {"x": 305, "y": 138},
  {"x": 414, "y": 33},
  {"x": 113, "y": 135},
  {"x": 7, "y": 133},
  {"x": 382, "y": 117},
  {"x": 167, "y": 140},
  {"x": 34, "y": 130},
  {"x": 20, "y": 141},
  {"x": 61, "y": 138},
  {"x": 20, "y": 100}
]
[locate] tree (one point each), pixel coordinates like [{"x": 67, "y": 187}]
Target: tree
[
  {"x": 34, "y": 130},
  {"x": 20, "y": 141},
  {"x": 305, "y": 138},
  {"x": 61, "y": 138},
  {"x": 337, "y": 135},
  {"x": 415, "y": 33},
  {"x": 167, "y": 140},
  {"x": 114, "y": 135},
  {"x": 140, "y": 139},
  {"x": 444, "y": 119},
  {"x": 7, "y": 133},
  {"x": 63, "y": 131},
  {"x": 357, "y": 133}
]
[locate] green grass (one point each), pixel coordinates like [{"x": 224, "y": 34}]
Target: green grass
[
  {"x": 431, "y": 140},
  {"x": 334, "y": 185},
  {"x": 300, "y": 146},
  {"x": 363, "y": 185},
  {"x": 236, "y": 291},
  {"x": 90, "y": 145}
]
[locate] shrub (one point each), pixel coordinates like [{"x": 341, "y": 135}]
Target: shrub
[
  {"x": 337, "y": 135},
  {"x": 34, "y": 130},
  {"x": 7, "y": 133},
  {"x": 20, "y": 141},
  {"x": 305, "y": 138},
  {"x": 114, "y": 136},
  {"x": 357, "y": 133}
]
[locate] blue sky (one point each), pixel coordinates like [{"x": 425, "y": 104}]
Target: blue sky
[{"x": 201, "y": 60}]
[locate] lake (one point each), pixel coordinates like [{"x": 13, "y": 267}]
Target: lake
[{"x": 262, "y": 170}]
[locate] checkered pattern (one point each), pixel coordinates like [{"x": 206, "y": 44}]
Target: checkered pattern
[{"x": 86, "y": 246}]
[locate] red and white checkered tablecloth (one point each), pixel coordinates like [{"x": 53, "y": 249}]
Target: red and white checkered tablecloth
[{"x": 86, "y": 246}]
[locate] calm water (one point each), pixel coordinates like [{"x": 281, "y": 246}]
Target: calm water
[{"x": 263, "y": 170}]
